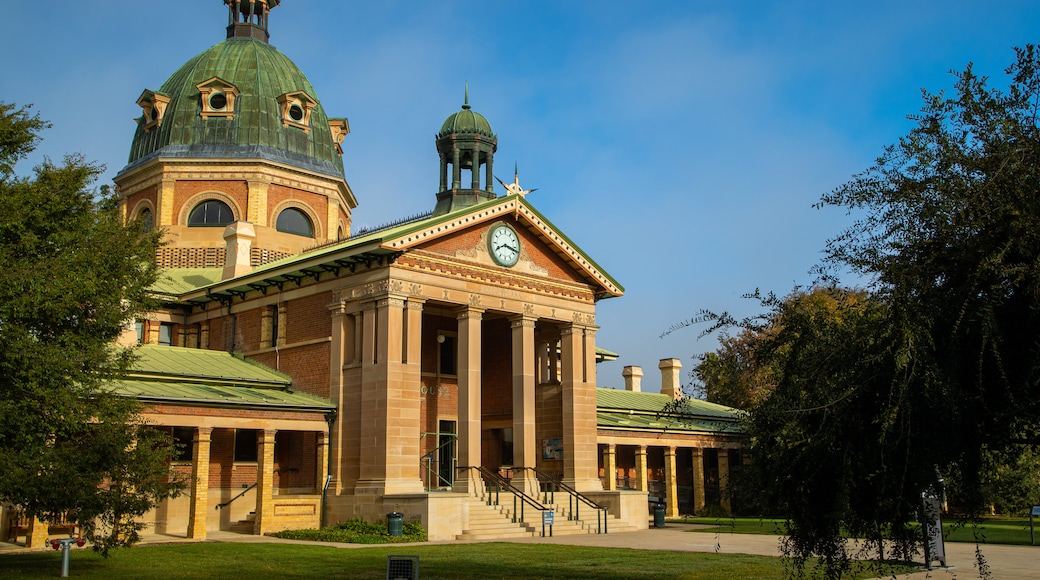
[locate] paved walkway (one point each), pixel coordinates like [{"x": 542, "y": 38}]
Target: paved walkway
[{"x": 1005, "y": 562}]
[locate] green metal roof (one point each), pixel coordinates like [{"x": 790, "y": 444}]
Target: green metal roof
[
  {"x": 176, "y": 281},
  {"x": 628, "y": 410},
  {"x": 466, "y": 121},
  {"x": 172, "y": 374},
  {"x": 369, "y": 247},
  {"x": 261, "y": 74}
]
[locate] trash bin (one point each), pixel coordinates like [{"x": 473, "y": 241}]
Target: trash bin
[
  {"x": 395, "y": 523},
  {"x": 658, "y": 515}
]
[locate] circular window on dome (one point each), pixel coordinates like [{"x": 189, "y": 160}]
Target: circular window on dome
[
  {"x": 218, "y": 101},
  {"x": 296, "y": 112},
  {"x": 294, "y": 221},
  {"x": 210, "y": 213}
]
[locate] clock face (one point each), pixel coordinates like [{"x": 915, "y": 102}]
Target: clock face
[{"x": 504, "y": 245}]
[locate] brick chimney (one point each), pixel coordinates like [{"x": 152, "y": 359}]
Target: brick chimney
[
  {"x": 633, "y": 377},
  {"x": 239, "y": 237},
  {"x": 670, "y": 384}
]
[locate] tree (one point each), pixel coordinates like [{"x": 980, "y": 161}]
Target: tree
[
  {"x": 72, "y": 274},
  {"x": 939, "y": 367},
  {"x": 736, "y": 375}
]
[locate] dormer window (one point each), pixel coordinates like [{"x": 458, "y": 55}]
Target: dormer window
[
  {"x": 218, "y": 98},
  {"x": 296, "y": 110},
  {"x": 340, "y": 129},
  {"x": 153, "y": 106}
]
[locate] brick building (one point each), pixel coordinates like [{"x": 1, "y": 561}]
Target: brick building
[{"x": 409, "y": 368}]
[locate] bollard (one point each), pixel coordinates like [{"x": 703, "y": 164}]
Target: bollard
[{"x": 66, "y": 544}]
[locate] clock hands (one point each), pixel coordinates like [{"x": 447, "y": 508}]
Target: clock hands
[{"x": 515, "y": 251}]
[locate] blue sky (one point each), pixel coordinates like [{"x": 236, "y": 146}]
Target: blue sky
[{"x": 681, "y": 144}]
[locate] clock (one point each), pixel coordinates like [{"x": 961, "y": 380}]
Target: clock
[{"x": 503, "y": 245}]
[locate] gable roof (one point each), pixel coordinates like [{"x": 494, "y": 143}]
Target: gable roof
[
  {"x": 383, "y": 246},
  {"x": 169, "y": 374},
  {"x": 636, "y": 411}
]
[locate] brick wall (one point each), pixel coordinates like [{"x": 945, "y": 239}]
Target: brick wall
[{"x": 276, "y": 194}]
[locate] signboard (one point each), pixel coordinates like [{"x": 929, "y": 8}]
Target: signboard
[
  {"x": 1036, "y": 510},
  {"x": 552, "y": 449},
  {"x": 548, "y": 517}
]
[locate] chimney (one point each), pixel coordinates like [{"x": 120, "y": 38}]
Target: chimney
[
  {"x": 239, "y": 237},
  {"x": 633, "y": 378},
  {"x": 670, "y": 384}
]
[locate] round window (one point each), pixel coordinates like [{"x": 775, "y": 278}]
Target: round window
[
  {"x": 217, "y": 101},
  {"x": 296, "y": 113}
]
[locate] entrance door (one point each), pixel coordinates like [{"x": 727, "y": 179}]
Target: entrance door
[{"x": 446, "y": 439}]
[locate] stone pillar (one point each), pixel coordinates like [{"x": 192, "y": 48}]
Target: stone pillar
[
  {"x": 389, "y": 408},
  {"x": 199, "y": 509},
  {"x": 579, "y": 408},
  {"x": 340, "y": 352},
  {"x": 321, "y": 453},
  {"x": 164, "y": 203},
  {"x": 257, "y": 210},
  {"x": 36, "y": 535},
  {"x": 524, "y": 445},
  {"x": 724, "y": 480},
  {"x": 642, "y": 481},
  {"x": 697, "y": 462},
  {"x": 264, "y": 481},
  {"x": 469, "y": 396},
  {"x": 671, "y": 484},
  {"x": 610, "y": 467}
]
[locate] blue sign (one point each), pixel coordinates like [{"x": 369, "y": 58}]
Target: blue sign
[{"x": 547, "y": 518}]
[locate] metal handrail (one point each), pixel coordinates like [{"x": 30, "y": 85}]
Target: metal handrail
[
  {"x": 251, "y": 487},
  {"x": 426, "y": 462},
  {"x": 574, "y": 500},
  {"x": 520, "y": 499}
]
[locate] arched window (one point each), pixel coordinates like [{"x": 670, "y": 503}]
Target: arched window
[
  {"x": 293, "y": 221},
  {"x": 147, "y": 222},
  {"x": 210, "y": 213}
]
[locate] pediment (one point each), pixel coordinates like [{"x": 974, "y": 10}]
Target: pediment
[{"x": 544, "y": 251}]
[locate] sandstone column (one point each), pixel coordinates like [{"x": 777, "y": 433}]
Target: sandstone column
[
  {"x": 671, "y": 484},
  {"x": 469, "y": 396},
  {"x": 199, "y": 510},
  {"x": 264, "y": 481},
  {"x": 524, "y": 445}
]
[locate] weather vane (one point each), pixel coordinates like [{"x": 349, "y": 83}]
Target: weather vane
[{"x": 514, "y": 188}]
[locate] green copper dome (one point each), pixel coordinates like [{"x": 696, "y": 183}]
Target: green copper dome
[
  {"x": 273, "y": 113},
  {"x": 466, "y": 121}
]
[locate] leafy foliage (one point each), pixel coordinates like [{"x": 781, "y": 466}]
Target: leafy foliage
[
  {"x": 936, "y": 370},
  {"x": 72, "y": 274},
  {"x": 358, "y": 532}
]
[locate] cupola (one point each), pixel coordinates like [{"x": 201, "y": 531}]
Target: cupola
[{"x": 465, "y": 143}]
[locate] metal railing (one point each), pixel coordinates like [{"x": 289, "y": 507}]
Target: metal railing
[
  {"x": 549, "y": 485},
  {"x": 252, "y": 487},
  {"x": 434, "y": 479},
  {"x": 495, "y": 483}
]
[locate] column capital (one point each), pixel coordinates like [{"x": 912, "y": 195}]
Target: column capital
[
  {"x": 469, "y": 312},
  {"x": 414, "y": 303},
  {"x": 522, "y": 321},
  {"x": 390, "y": 300},
  {"x": 203, "y": 433}
]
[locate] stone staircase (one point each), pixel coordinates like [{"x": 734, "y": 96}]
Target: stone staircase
[
  {"x": 491, "y": 522},
  {"x": 244, "y": 526}
]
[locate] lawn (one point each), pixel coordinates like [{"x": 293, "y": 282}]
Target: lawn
[
  {"x": 989, "y": 531},
  {"x": 489, "y": 561}
]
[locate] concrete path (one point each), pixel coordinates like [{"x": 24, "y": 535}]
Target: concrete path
[{"x": 1005, "y": 562}]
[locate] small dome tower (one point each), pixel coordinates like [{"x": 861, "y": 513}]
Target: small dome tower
[{"x": 465, "y": 142}]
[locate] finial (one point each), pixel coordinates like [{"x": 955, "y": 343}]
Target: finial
[
  {"x": 514, "y": 188},
  {"x": 465, "y": 106}
]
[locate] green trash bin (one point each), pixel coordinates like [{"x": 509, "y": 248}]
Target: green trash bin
[
  {"x": 658, "y": 515},
  {"x": 395, "y": 523}
]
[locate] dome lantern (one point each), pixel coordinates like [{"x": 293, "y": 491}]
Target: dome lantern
[
  {"x": 249, "y": 19},
  {"x": 465, "y": 142}
]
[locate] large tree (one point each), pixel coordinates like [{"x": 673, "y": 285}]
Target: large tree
[
  {"x": 938, "y": 371},
  {"x": 72, "y": 274}
]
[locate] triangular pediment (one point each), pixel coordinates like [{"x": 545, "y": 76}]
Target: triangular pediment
[{"x": 544, "y": 249}]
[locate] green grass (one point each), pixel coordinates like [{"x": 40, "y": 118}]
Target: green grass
[
  {"x": 990, "y": 530},
  {"x": 214, "y": 560},
  {"x": 358, "y": 532}
]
